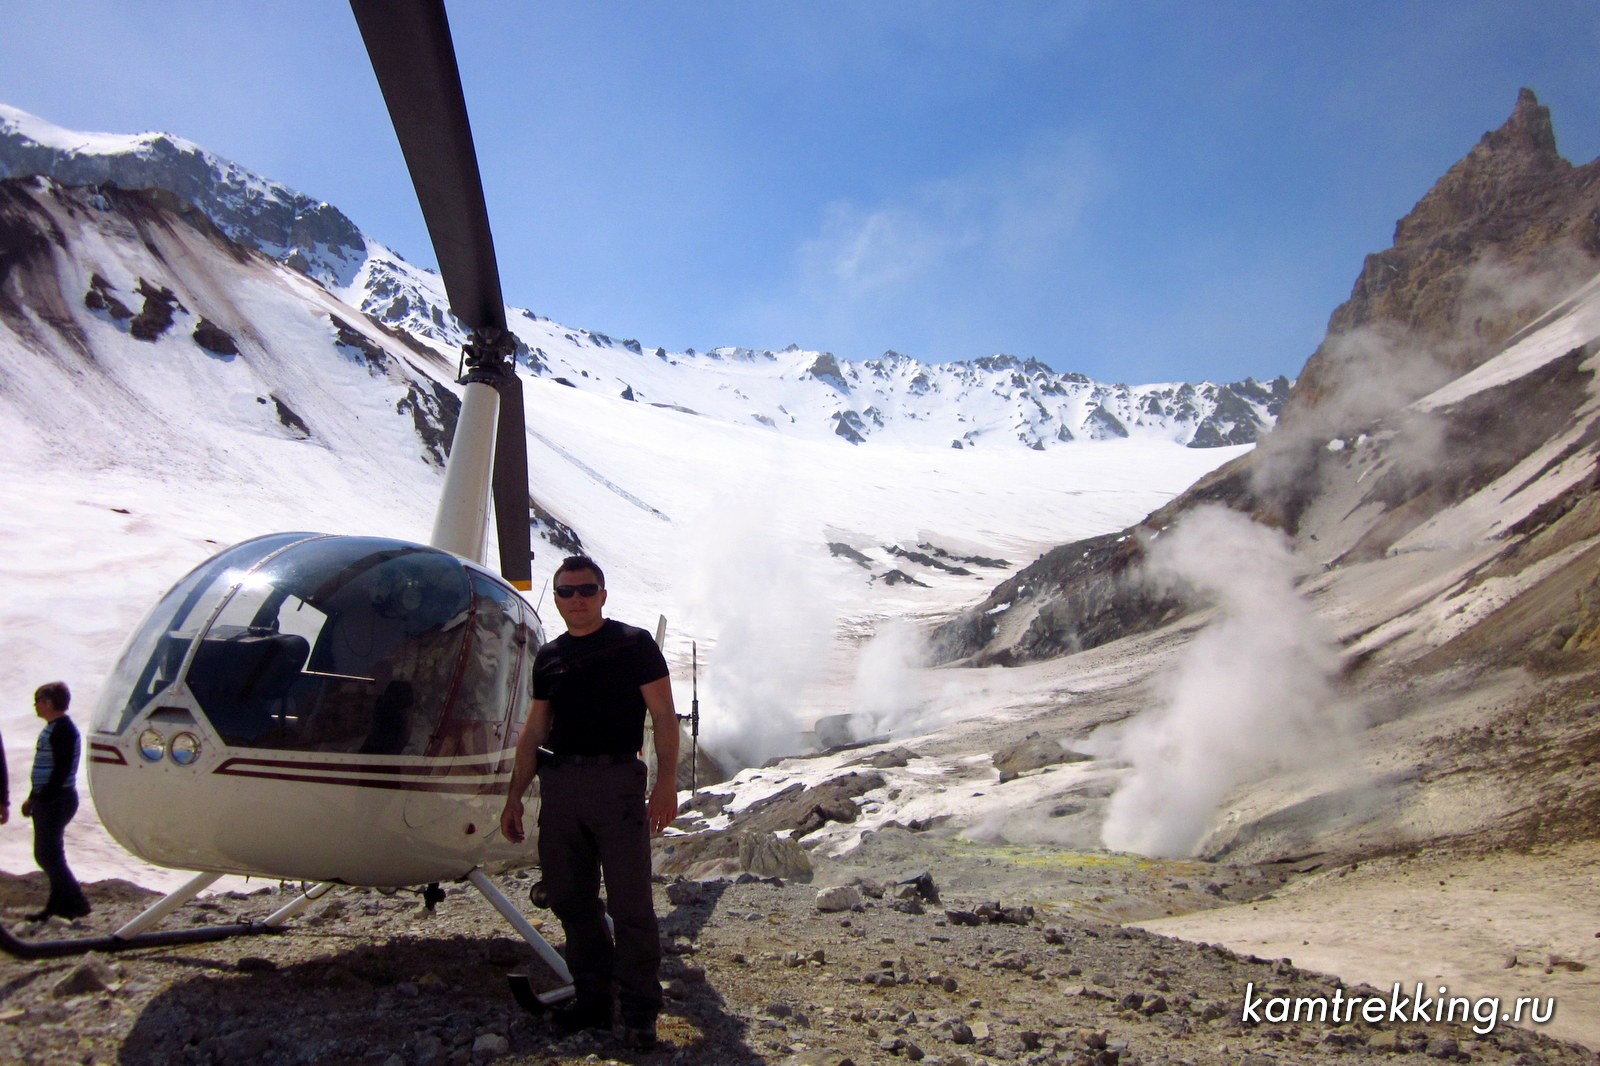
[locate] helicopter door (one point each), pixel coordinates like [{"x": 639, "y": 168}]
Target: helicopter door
[{"x": 488, "y": 691}]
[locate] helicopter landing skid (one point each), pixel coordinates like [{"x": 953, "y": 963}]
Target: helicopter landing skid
[
  {"x": 135, "y": 934},
  {"x": 57, "y": 949}
]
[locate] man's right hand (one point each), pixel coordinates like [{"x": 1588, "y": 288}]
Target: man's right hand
[{"x": 511, "y": 821}]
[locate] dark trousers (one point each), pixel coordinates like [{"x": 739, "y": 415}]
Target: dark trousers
[
  {"x": 592, "y": 822},
  {"x": 50, "y": 817}
]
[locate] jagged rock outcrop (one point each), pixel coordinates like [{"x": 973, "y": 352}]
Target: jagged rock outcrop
[
  {"x": 1033, "y": 752},
  {"x": 1507, "y": 231},
  {"x": 795, "y": 811},
  {"x": 214, "y": 339}
]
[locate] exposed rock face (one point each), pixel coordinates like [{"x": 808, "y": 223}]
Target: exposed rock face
[
  {"x": 156, "y": 318},
  {"x": 769, "y": 855},
  {"x": 825, "y": 368},
  {"x": 309, "y": 235},
  {"x": 1509, "y": 228},
  {"x": 796, "y": 810},
  {"x": 560, "y": 535},
  {"x": 291, "y": 421},
  {"x": 1073, "y": 597},
  {"x": 434, "y": 411},
  {"x": 849, "y": 426},
  {"x": 172, "y": 265},
  {"x": 214, "y": 339}
]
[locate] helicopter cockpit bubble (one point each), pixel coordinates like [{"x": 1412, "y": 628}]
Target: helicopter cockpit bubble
[
  {"x": 367, "y": 692},
  {"x": 307, "y": 642}
]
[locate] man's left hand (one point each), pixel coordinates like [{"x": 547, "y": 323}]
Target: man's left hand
[{"x": 663, "y": 804}]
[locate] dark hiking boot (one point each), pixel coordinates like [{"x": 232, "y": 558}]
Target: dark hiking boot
[
  {"x": 639, "y": 1037},
  {"x": 583, "y": 1016}
]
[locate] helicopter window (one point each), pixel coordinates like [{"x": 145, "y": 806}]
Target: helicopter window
[
  {"x": 489, "y": 682},
  {"x": 240, "y": 675},
  {"x": 347, "y": 645},
  {"x": 300, "y": 618},
  {"x": 150, "y": 661}
]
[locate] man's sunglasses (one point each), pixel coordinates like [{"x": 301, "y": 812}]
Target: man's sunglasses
[{"x": 586, "y": 590}]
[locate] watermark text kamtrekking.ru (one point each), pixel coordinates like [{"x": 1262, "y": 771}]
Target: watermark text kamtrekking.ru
[{"x": 1399, "y": 1007}]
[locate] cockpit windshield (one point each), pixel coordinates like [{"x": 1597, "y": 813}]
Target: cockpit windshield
[
  {"x": 151, "y": 659},
  {"x": 342, "y": 644}
]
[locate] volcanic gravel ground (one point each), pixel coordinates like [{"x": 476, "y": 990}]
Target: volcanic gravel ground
[{"x": 754, "y": 973}]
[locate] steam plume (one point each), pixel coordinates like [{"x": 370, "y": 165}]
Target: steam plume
[
  {"x": 768, "y": 601},
  {"x": 885, "y": 697},
  {"x": 1251, "y": 693}
]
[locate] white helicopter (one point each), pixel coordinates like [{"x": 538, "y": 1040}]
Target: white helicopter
[{"x": 344, "y": 710}]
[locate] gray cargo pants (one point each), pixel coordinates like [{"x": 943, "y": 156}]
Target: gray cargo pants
[{"x": 592, "y": 821}]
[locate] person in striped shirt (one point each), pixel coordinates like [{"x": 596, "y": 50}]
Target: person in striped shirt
[{"x": 54, "y": 800}]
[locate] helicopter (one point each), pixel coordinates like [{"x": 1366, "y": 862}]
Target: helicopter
[{"x": 344, "y": 710}]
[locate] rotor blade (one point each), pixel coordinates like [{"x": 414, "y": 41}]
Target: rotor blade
[
  {"x": 511, "y": 487},
  {"x": 409, "y": 44}
]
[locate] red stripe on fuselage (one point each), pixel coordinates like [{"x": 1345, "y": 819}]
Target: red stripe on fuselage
[{"x": 423, "y": 778}]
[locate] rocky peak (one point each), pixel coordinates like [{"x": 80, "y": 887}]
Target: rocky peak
[
  {"x": 825, "y": 368},
  {"x": 1507, "y": 164},
  {"x": 1510, "y": 217},
  {"x": 1527, "y": 133}
]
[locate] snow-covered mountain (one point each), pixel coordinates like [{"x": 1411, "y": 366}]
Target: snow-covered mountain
[
  {"x": 166, "y": 390},
  {"x": 988, "y": 401}
]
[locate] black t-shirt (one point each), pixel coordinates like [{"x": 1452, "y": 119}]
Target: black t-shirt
[{"x": 592, "y": 683}]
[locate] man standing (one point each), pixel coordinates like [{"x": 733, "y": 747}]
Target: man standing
[
  {"x": 54, "y": 800},
  {"x": 591, "y": 689}
]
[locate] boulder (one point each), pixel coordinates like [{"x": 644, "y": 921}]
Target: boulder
[
  {"x": 838, "y": 898},
  {"x": 770, "y": 855}
]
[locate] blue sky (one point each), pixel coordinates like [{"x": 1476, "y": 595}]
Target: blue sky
[{"x": 1136, "y": 191}]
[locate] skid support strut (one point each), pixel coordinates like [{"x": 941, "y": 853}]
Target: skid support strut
[{"x": 520, "y": 986}]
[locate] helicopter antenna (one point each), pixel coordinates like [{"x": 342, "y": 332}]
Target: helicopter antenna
[{"x": 694, "y": 718}]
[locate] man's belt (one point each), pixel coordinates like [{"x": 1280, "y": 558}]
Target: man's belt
[{"x": 547, "y": 758}]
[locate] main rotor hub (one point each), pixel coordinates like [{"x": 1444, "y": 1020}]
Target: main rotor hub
[{"x": 488, "y": 356}]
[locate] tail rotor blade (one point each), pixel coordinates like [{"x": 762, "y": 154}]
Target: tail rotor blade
[{"x": 415, "y": 62}]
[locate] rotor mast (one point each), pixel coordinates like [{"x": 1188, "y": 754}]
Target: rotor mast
[{"x": 462, "y": 521}]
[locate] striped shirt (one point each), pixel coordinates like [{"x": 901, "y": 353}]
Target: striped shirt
[{"x": 55, "y": 760}]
